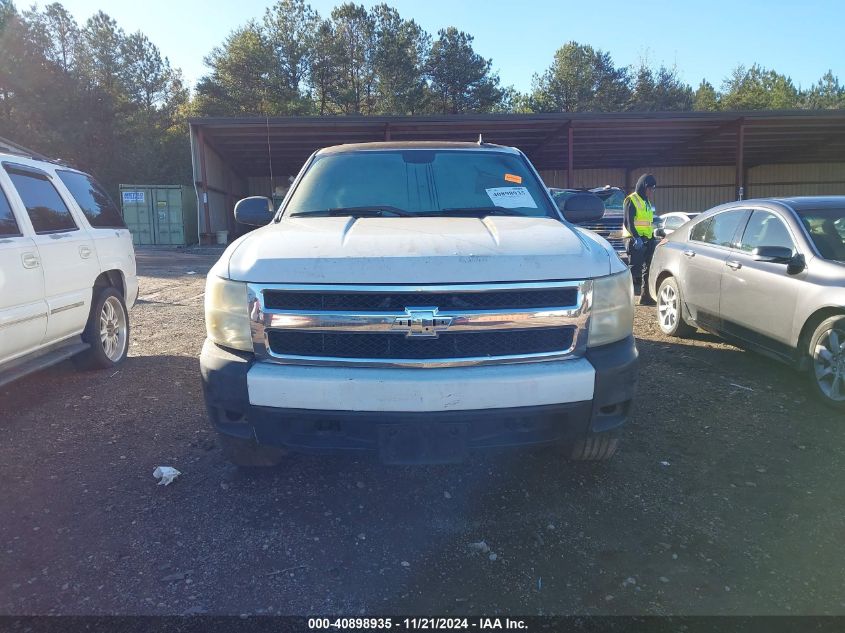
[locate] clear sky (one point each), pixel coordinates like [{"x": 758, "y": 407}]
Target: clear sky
[{"x": 704, "y": 39}]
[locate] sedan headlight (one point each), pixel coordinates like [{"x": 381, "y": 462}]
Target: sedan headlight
[
  {"x": 612, "y": 316},
  {"x": 227, "y": 313}
]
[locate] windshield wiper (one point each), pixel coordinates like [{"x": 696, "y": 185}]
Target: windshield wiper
[
  {"x": 476, "y": 212},
  {"x": 372, "y": 211}
]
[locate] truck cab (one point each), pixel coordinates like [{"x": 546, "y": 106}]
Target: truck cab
[{"x": 418, "y": 301}]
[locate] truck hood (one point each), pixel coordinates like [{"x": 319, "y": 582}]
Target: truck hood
[{"x": 345, "y": 250}]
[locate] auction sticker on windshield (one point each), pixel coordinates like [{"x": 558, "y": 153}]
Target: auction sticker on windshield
[{"x": 511, "y": 197}]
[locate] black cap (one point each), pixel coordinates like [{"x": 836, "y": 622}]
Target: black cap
[{"x": 645, "y": 181}]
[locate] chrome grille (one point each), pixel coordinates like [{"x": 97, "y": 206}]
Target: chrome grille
[
  {"x": 391, "y": 302},
  {"x": 419, "y": 326},
  {"x": 605, "y": 230},
  {"x": 398, "y": 347}
]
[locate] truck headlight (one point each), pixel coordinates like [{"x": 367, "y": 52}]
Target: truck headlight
[
  {"x": 227, "y": 313},
  {"x": 612, "y": 316}
]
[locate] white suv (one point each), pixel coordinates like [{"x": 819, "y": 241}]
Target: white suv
[{"x": 67, "y": 269}]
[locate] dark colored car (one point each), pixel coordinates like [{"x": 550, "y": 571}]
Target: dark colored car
[
  {"x": 768, "y": 275},
  {"x": 610, "y": 226}
]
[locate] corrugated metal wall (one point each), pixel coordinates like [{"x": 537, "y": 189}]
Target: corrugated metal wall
[
  {"x": 700, "y": 188},
  {"x": 224, "y": 188},
  {"x": 691, "y": 188},
  {"x": 797, "y": 180},
  {"x": 585, "y": 178}
]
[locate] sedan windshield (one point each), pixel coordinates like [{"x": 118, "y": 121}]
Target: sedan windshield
[
  {"x": 827, "y": 230},
  {"x": 398, "y": 183}
]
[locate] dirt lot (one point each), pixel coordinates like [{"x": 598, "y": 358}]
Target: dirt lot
[{"x": 726, "y": 497}]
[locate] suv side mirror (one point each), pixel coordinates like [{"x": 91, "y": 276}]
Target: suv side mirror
[
  {"x": 582, "y": 207},
  {"x": 659, "y": 233},
  {"x": 772, "y": 254},
  {"x": 255, "y": 210}
]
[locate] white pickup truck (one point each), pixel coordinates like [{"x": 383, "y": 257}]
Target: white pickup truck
[
  {"x": 67, "y": 269},
  {"x": 418, "y": 301}
]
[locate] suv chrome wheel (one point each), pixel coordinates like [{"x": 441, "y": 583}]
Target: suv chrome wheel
[
  {"x": 113, "y": 329},
  {"x": 829, "y": 363}
]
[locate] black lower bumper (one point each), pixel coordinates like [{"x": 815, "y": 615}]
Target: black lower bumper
[{"x": 425, "y": 437}]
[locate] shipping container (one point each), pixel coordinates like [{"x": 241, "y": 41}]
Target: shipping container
[{"x": 160, "y": 214}]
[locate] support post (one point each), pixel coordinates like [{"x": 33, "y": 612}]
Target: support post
[
  {"x": 204, "y": 183},
  {"x": 746, "y": 183},
  {"x": 387, "y": 132},
  {"x": 629, "y": 183},
  {"x": 740, "y": 160},
  {"x": 569, "y": 157},
  {"x": 230, "y": 206}
]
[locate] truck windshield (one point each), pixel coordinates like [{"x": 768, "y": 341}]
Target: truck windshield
[
  {"x": 827, "y": 230},
  {"x": 398, "y": 183}
]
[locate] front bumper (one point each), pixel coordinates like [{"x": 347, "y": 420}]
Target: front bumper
[{"x": 433, "y": 435}]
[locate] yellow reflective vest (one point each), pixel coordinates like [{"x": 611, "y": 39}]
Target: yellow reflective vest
[{"x": 643, "y": 216}]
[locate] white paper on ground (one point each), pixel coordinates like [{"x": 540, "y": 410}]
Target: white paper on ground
[
  {"x": 165, "y": 475},
  {"x": 511, "y": 197}
]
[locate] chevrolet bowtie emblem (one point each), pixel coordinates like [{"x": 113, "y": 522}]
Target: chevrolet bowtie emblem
[{"x": 422, "y": 322}]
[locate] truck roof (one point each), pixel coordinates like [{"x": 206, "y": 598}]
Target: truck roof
[{"x": 406, "y": 145}]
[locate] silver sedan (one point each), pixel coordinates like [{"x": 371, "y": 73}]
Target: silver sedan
[{"x": 768, "y": 275}]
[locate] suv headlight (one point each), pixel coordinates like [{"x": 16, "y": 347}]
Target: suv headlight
[
  {"x": 612, "y": 316},
  {"x": 227, "y": 313}
]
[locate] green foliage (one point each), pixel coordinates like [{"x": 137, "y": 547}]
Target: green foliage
[
  {"x": 581, "y": 79},
  {"x": 401, "y": 49},
  {"x": 322, "y": 74},
  {"x": 706, "y": 99},
  {"x": 461, "y": 80},
  {"x": 353, "y": 28},
  {"x": 353, "y": 62},
  {"x": 290, "y": 27},
  {"x": 103, "y": 101},
  {"x": 757, "y": 88},
  {"x": 659, "y": 90},
  {"x": 240, "y": 82},
  {"x": 827, "y": 94}
]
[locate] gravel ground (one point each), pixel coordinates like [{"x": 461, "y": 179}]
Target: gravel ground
[{"x": 725, "y": 498}]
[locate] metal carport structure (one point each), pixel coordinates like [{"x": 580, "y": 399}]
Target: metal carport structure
[{"x": 701, "y": 158}]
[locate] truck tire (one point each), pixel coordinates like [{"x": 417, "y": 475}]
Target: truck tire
[
  {"x": 594, "y": 448},
  {"x": 250, "y": 454},
  {"x": 107, "y": 331},
  {"x": 670, "y": 313},
  {"x": 827, "y": 361}
]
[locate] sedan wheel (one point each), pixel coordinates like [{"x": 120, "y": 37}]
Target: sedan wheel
[
  {"x": 828, "y": 353},
  {"x": 667, "y": 308},
  {"x": 669, "y": 316}
]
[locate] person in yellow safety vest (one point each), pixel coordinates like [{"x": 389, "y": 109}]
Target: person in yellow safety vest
[{"x": 638, "y": 231}]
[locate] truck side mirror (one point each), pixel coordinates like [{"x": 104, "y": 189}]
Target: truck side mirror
[
  {"x": 582, "y": 207},
  {"x": 255, "y": 210}
]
